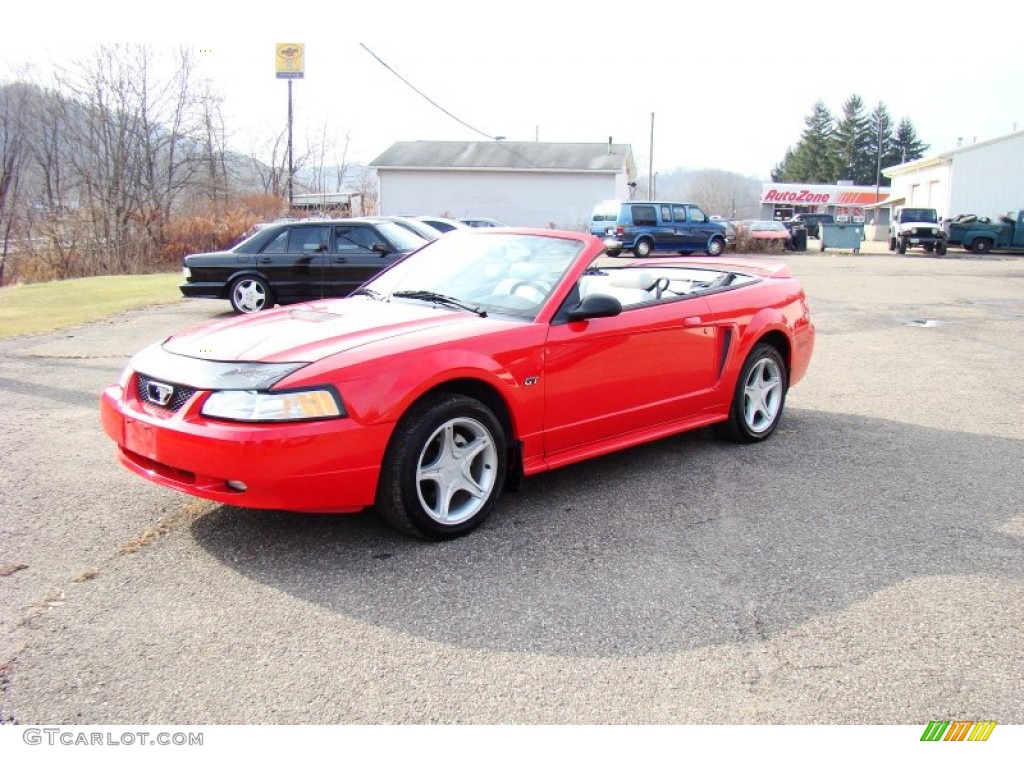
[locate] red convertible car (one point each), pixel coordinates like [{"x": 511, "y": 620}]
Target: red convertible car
[{"x": 487, "y": 356}]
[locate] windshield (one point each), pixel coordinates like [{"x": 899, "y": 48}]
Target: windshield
[
  {"x": 496, "y": 273},
  {"x": 919, "y": 214}
]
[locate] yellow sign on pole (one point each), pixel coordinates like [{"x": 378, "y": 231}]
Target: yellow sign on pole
[{"x": 290, "y": 60}]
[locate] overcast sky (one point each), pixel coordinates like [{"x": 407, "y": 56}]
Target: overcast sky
[{"x": 729, "y": 82}]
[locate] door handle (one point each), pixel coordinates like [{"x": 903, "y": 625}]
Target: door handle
[
  {"x": 340, "y": 260},
  {"x": 264, "y": 260},
  {"x": 694, "y": 321}
]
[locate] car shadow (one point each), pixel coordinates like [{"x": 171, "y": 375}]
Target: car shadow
[{"x": 679, "y": 544}]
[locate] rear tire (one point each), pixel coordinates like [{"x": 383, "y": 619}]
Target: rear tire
[
  {"x": 759, "y": 397},
  {"x": 250, "y": 294},
  {"x": 444, "y": 468},
  {"x": 643, "y": 248},
  {"x": 982, "y": 245}
]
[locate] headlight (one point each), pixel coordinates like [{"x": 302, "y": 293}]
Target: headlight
[
  {"x": 186, "y": 273},
  {"x": 126, "y": 376},
  {"x": 294, "y": 405}
]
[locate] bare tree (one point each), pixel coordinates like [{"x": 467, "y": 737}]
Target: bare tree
[
  {"x": 273, "y": 175},
  {"x": 131, "y": 139},
  {"x": 218, "y": 182},
  {"x": 341, "y": 165},
  {"x": 12, "y": 154},
  {"x": 723, "y": 193},
  {"x": 366, "y": 188}
]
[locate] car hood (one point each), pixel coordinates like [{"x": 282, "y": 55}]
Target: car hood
[{"x": 313, "y": 331}]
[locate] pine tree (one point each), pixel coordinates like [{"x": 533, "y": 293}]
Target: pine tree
[
  {"x": 848, "y": 149},
  {"x": 882, "y": 141},
  {"x": 853, "y": 144},
  {"x": 811, "y": 160},
  {"x": 906, "y": 145}
]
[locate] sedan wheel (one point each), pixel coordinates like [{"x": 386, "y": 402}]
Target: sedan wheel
[
  {"x": 444, "y": 468},
  {"x": 759, "y": 397},
  {"x": 250, "y": 294}
]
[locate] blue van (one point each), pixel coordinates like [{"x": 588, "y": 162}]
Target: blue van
[{"x": 644, "y": 226}]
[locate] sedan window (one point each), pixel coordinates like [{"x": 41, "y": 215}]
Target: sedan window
[
  {"x": 308, "y": 239},
  {"x": 356, "y": 238},
  {"x": 279, "y": 244}
]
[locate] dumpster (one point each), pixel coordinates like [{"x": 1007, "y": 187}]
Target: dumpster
[
  {"x": 842, "y": 235},
  {"x": 799, "y": 235}
]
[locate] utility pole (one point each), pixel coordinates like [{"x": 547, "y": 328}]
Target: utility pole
[
  {"x": 650, "y": 169},
  {"x": 878, "y": 154},
  {"x": 291, "y": 169},
  {"x": 290, "y": 64},
  {"x": 878, "y": 163}
]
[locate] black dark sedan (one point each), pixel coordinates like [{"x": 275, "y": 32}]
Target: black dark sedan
[{"x": 293, "y": 261}]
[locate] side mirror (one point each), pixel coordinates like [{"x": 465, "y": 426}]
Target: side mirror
[
  {"x": 596, "y": 305},
  {"x": 380, "y": 248}
]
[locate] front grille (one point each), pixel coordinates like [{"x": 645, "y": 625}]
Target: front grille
[{"x": 148, "y": 390}]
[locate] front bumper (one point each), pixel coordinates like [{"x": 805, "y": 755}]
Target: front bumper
[
  {"x": 922, "y": 236},
  {"x": 317, "y": 466}
]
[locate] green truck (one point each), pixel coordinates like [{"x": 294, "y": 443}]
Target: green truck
[{"x": 981, "y": 235}]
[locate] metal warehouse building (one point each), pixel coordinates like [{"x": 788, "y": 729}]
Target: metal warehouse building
[
  {"x": 529, "y": 184},
  {"x": 986, "y": 179}
]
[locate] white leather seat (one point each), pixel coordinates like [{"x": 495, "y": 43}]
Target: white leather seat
[
  {"x": 629, "y": 286},
  {"x": 524, "y": 279}
]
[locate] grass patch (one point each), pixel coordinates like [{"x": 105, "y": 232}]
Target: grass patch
[{"x": 39, "y": 307}]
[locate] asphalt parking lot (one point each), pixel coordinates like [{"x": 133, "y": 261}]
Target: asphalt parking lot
[{"x": 862, "y": 566}]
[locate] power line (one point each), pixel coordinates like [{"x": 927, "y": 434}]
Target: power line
[{"x": 421, "y": 93}]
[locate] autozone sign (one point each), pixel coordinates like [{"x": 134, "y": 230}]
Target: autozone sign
[
  {"x": 820, "y": 194},
  {"x": 803, "y": 196}
]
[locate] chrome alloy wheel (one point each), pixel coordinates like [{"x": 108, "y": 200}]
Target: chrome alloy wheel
[
  {"x": 456, "y": 471},
  {"x": 762, "y": 395},
  {"x": 249, "y": 295}
]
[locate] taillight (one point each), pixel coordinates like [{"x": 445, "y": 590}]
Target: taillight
[{"x": 620, "y": 230}]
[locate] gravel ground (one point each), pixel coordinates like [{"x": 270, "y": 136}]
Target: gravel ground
[{"x": 862, "y": 566}]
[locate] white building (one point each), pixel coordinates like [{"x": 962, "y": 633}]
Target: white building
[
  {"x": 529, "y": 184},
  {"x": 986, "y": 179}
]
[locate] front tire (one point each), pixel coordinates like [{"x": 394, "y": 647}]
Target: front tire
[
  {"x": 250, "y": 294},
  {"x": 940, "y": 249},
  {"x": 759, "y": 397},
  {"x": 902, "y": 247},
  {"x": 716, "y": 247},
  {"x": 444, "y": 468}
]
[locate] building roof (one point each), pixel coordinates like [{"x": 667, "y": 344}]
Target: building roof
[
  {"x": 946, "y": 158},
  {"x": 507, "y": 155}
]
